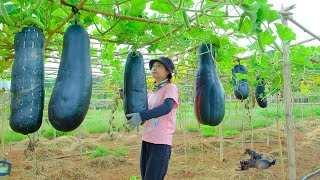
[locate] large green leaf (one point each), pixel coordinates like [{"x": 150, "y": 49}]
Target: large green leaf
[
  {"x": 134, "y": 7},
  {"x": 285, "y": 33},
  {"x": 246, "y": 27},
  {"x": 162, "y": 6},
  {"x": 219, "y": 21}
]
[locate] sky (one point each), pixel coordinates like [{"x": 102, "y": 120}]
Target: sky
[{"x": 307, "y": 13}]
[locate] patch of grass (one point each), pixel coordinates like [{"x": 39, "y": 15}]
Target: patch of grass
[
  {"x": 208, "y": 131},
  {"x": 120, "y": 152},
  {"x": 134, "y": 178},
  {"x": 11, "y": 136},
  {"x": 49, "y": 133},
  {"x": 259, "y": 123},
  {"x": 192, "y": 128},
  {"x": 101, "y": 151},
  {"x": 230, "y": 132}
]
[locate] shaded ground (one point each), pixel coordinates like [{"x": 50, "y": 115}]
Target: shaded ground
[{"x": 193, "y": 157}]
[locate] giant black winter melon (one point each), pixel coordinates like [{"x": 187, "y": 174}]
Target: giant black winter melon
[
  {"x": 27, "y": 81},
  {"x": 135, "y": 86},
  {"x": 71, "y": 95},
  {"x": 209, "y": 102}
]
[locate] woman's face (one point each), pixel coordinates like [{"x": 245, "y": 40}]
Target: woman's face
[{"x": 159, "y": 71}]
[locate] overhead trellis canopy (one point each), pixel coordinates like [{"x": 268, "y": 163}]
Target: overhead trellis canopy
[{"x": 173, "y": 28}]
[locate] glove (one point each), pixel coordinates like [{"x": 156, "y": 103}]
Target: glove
[{"x": 135, "y": 120}]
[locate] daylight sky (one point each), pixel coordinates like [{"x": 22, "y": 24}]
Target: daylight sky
[{"x": 307, "y": 13}]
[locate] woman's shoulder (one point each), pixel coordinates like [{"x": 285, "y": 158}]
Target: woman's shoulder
[{"x": 172, "y": 86}]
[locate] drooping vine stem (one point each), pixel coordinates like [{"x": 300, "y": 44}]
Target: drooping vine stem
[
  {"x": 5, "y": 14},
  {"x": 79, "y": 6},
  {"x": 37, "y": 5}
]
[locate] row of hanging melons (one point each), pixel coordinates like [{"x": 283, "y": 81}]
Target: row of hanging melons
[
  {"x": 71, "y": 96},
  {"x": 70, "y": 99},
  {"x": 241, "y": 90},
  {"x": 209, "y": 102},
  {"x": 210, "y": 95}
]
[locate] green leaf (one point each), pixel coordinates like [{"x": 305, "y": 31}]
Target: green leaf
[
  {"x": 271, "y": 16},
  {"x": 196, "y": 32},
  {"x": 115, "y": 63},
  {"x": 250, "y": 10},
  {"x": 219, "y": 21},
  {"x": 134, "y": 7},
  {"x": 74, "y": 1},
  {"x": 215, "y": 40},
  {"x": 285, "y": 33},
  {"x": 246, "y": 27},
  {"x": 153, "y": 48},
  {"x": 162, "y": 6},
  {"x": 248, "y": 1},
  {"x": 265, "y": 38},
  {"x": 262, "y": 1},
  {"x": 159, "y": 30}
]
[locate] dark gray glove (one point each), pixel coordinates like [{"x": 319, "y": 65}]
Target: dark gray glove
[{"x": 135, "y": 120}]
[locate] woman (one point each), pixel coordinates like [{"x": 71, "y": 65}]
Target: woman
[{"x": 159, "y": 121}]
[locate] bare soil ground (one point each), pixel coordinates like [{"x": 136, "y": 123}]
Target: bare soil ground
[{"x": 193, "y": 156}]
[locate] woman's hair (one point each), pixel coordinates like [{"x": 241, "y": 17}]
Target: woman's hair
[{"x": 169, "y": 77}]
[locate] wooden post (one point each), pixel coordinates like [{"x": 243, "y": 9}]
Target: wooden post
[
  {"x": 2, "y": 124},
  {"x": 242, "y": 131},
  {"x": 279, "y": 140},
  {"x": 267, "y": 126},
  {"x": 221, "y": 143},
  {"x": 235, "y": 115},
  {"x": 54, "y": 136},
  {"x": 252, "y": 114},
  {"x": 80, "y": 141},
  {"x": 288, "y": 107}
]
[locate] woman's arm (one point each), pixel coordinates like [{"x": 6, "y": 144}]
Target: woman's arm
[{"x": 158, "y": 111}]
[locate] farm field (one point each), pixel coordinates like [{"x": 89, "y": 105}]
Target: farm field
[{"x": 193, "y": 156}]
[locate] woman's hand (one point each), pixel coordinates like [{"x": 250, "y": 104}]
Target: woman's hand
[{"x": 135, "y": 120}]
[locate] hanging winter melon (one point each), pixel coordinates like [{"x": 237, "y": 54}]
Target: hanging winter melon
[
  {"x": 241, "y": 90},
  {"x": 135, "y": 86},
  {"x": 209, "y": 102},
  {"x": 27, "y": 81},
  {"x": 71, "y": 95}
]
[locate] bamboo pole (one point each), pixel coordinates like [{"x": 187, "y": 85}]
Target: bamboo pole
[
  {"x": 80, "y": 142},
  {"x": 183, "y": 119},
  {"x": 267, "y": 126},
  {"x": 301, "y": 106},
  {"x": 54, "y": 136},
  {"x": 288, "y": 106},
  {"x": 221, "y": 143},
  {"x": 3, "y": 124},
  {"x": 279, "y": 140},
  {"x": 252, "y": 123},
  {"x": 242, "y": 131},
  {"x": 235, "y": 115}
]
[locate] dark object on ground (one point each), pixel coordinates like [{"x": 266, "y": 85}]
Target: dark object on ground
[
  {"x": 256, "y": 163},
  {"x": 253, "y": 154}
]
